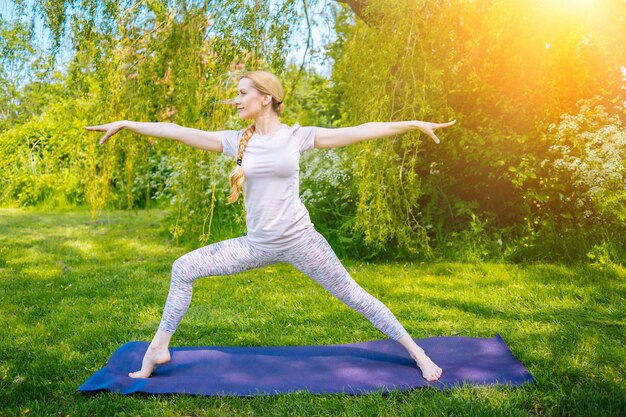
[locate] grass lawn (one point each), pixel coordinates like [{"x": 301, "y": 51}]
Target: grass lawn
[{"x": 73, "y": 289}]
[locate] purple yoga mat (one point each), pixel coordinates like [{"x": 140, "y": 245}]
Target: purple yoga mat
[{"x": 358, "y": 368}]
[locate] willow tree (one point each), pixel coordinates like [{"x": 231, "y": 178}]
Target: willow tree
[
  {"x": 153, "y": 60},
  {"x": 382, "y": 72},
  {"x": 504, "y": 69}
]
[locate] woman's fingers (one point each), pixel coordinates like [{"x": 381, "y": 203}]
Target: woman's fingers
[
  {"x": 435, "y": 138},
  {"x": 431, "y": 127},
  {"x": 109, "y": 128},
  {"x": 104, "y": 139},
  {"x": 98, "y": 129},
  {"x": 448, "y": 124}
]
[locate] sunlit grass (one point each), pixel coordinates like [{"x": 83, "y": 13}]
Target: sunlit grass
[{"x": 73, "y": 290}]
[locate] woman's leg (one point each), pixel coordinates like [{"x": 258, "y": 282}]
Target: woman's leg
[
  {"x": 222, "y": 258},
  {"x": 314, "y": 257}
]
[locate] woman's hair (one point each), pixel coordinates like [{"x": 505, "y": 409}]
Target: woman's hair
[{"x": 265, "y": 83}]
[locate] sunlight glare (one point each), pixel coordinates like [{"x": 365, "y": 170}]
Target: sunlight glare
[
  {"x": 575, "y": 14},
  {"x": 576, "y": 6}
]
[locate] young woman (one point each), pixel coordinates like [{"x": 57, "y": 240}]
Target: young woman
[{"x": 279, "y": 228}]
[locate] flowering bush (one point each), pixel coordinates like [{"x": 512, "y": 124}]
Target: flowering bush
[
  {"x": 576, "y": 194},
  {"x": 327, "y": 190},
  {"x": 590, "y": 150}
]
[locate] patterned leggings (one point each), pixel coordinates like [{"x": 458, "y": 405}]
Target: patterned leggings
[{"x": 312, "y": 255}]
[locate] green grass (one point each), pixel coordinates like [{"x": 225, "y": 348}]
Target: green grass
[{"x": 73, "y": 289}]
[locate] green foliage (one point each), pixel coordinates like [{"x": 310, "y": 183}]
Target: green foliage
[
  {"x": 588, "y": 152},
  {"x": 146, "y": 61},
  {"x": 45, "y": 158},
  {"x": 501, "y": 184},
  {"x": 577, "y": 192},
  {"x": 503, "y": 70},
  {"x": 15, "y": 49},
  {"x": 328, "y": 190},
  {"x": 375, "y": 80}
]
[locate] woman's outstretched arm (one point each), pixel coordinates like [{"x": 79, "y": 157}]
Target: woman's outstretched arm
[
  {"x": 210, "y": 141},
  {"x": 344, "y": 136}
]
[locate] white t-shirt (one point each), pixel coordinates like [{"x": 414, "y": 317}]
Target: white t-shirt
[{"x": 275, "y": 215}]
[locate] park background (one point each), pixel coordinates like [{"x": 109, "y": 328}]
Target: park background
[
  {"x": 531, "y": 176},
  {"x": 534, "y": 169}
]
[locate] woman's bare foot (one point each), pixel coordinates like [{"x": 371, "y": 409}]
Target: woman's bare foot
[
  {"x": 154, "y": 357},
  {"x": 430, "y": 371},
  {"x": 157, "y": 354}
]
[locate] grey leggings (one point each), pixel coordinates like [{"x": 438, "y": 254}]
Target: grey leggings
[{"x": 312, "y": 255}]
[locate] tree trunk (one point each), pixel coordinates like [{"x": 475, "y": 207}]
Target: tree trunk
[{"x": 360, "y": 8}]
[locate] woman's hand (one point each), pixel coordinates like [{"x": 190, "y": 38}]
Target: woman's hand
[
  {"x": 110, "y": 129},
  {"x": 429, "y": 128}
]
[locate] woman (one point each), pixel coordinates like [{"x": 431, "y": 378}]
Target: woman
[{"x": 279, "y": 227}]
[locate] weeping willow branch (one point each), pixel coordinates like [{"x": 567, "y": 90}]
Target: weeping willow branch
[
  {"x": 363, "y": 9},
  {"x": 308, "y": 45}
]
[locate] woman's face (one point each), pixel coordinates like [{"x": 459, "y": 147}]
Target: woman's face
[{"x": 249, "y": 101}]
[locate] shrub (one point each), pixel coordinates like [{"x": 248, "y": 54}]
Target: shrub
[{"x": 575, "y": 196}]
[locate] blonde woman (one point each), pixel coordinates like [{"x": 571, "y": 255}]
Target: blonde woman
[{"x": 279, "y": 228}]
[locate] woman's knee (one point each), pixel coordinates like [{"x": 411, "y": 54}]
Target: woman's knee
[{"x": 179, "y": 269}]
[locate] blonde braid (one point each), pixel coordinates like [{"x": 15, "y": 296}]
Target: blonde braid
[{"x": 237, "y": 176}]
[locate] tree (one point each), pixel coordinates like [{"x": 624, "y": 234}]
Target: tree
[{"x": 504, "y": 69}]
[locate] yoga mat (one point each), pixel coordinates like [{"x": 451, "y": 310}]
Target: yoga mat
[{"x": 358, "y": 368}]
